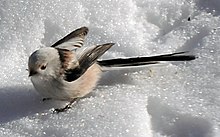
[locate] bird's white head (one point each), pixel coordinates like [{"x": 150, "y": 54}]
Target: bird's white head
[{"x": 44, "y": 62}]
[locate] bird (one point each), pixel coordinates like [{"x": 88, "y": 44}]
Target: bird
[{"x": 66, "y": 73}]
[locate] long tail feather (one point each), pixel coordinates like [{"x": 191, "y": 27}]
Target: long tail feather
[{"x": 137, "y": 61}]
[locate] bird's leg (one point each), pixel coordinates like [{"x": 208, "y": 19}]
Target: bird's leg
[
  {"x": 45, "y": 99},
  {"x": 68, "y": 106}
]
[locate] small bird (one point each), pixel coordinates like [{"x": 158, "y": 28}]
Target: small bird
[{"x": 63, "y": 72}]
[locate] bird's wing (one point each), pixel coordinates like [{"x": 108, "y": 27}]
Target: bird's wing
[
  {"x": 68, "y": 60},
  {"x": 73, "y": 40},
  {"x": 87, "y": 59}
]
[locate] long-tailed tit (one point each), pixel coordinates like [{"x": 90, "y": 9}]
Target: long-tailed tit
[{"x": 62, "y": 72}]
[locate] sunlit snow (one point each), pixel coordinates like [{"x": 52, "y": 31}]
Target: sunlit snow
[{"x": 171, "y": 100}]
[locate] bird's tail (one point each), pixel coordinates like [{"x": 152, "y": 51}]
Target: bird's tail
[{"x": 139, "y": 61}]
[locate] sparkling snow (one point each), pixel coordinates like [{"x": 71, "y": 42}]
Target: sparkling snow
[{"x": 176, "y": 99}]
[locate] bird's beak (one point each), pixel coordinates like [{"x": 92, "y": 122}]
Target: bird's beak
[{"x": 32, "y": 72}]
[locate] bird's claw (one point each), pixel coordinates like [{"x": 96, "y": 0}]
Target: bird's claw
[{"x": 58, "y": 110}]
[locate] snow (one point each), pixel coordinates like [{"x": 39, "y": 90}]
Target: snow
[{"x": 177, "y": 99}]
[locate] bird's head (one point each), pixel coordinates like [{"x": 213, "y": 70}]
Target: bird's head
[{"x": 44, "y": 62}]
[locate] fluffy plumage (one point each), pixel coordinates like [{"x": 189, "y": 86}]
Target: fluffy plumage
[{"x": 61, "y": 72}]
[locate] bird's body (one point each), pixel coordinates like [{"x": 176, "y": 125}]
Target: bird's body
[
  {"x": 51, "y": 83},
  {"x": 61, "y": 72},
  {"x": 59, "y": 89}
]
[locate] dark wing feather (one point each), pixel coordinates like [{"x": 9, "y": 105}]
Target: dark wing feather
[
  {"x": 73, "y": 40},
  {"x": 87, "y": 59}
]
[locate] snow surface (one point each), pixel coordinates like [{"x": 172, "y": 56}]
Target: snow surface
[{"x": 177, "y": 100}]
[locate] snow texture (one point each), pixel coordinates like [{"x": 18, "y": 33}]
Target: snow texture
[{"x": 173, "y": 100}]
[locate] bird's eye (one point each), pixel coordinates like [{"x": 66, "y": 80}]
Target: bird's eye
[{"x": 43, "y": 67}]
